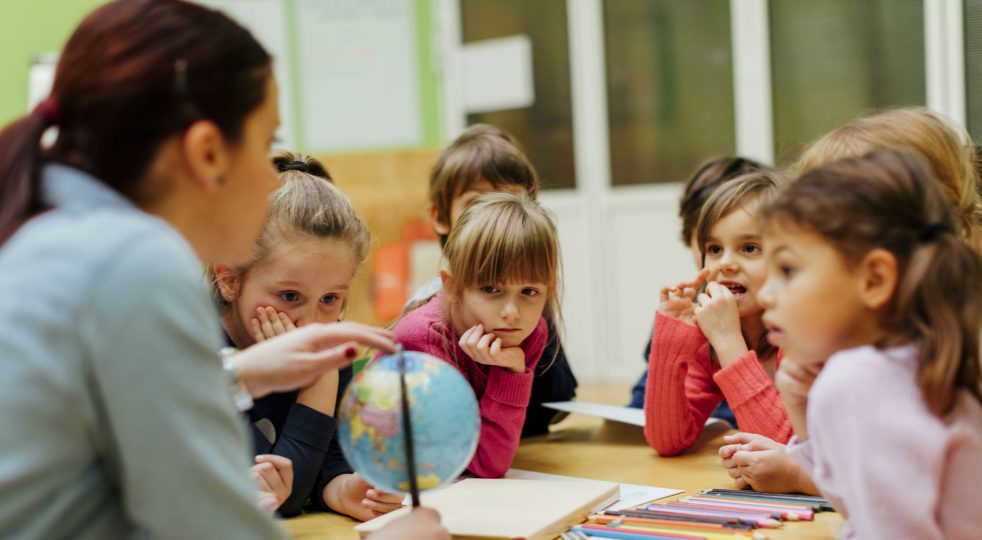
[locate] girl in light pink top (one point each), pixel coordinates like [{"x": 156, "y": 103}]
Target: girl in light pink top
[{"x": 876, "y": 302}]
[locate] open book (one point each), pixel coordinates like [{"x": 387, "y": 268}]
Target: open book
[{"x": 493, "y": 509}]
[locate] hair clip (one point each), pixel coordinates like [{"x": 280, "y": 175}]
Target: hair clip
[{"x": 181, "y": 78}]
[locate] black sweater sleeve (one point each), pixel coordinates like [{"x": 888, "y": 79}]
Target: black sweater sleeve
[
  {"x": 305, "y": 439},
  {"x": 334, "y": 463},
  {"x": 554, "y": 381}
]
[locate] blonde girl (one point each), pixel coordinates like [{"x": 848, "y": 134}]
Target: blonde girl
[
  {"x": 708, "y": 344},
  {"x": 501, "y": 277},
  {"x": 946, "y": 150},
  {"x": 310, "y": 247},
  {"x": 874, "y": 298}
]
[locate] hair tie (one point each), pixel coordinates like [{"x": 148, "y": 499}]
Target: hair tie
[
  {"x": 295, "y": 166},
  {"x": 933, "y": 231},
  {"x": 49, "y": 110}
]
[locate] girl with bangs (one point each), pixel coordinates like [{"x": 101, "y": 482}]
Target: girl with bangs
[{"x": 501, "y": 275}]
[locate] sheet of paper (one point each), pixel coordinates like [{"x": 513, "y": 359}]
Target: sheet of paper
[
  {"x": 266, "y": 19},
  {"x": 630, "y": 494},
  {"x": 497, "y": 74},
  {"x": 358, "y": 73},
  {"x": 627, "y": 415}
]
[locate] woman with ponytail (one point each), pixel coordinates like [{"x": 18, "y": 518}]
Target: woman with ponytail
[
  {"x": 873, "y": 295},
  {"x": 117, "y": 418}
]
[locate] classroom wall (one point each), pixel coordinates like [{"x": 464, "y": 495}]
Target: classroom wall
[
  {"x": 29, "y": 28},
  {"x": 32, "y": 27}
]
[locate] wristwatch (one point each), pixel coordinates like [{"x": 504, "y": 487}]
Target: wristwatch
[{"x": 240, "y": 395}]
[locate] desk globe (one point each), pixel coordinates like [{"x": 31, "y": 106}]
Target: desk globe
[{"x": 444, "y": 415}]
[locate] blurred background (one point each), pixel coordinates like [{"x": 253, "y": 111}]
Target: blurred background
[{"x": 615, "y": 101}]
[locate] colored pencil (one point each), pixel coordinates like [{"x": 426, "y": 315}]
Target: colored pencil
[
  {"x": 818, "y": 503},
  {"x": 606, "y": 532},
  {"x": 760, "y": 520},
  {"x": 729, "y": 522},
  {"x": 791, "y": 513},
  {"x": 701, "y": 528}
]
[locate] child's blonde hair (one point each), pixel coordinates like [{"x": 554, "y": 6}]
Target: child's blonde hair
[
  {"x": 750, "y": 191},
  {"x": 946, "y": 150},
  {"x": 306, "y": 205},
  {"x": 888, "y": 199},
  {"x": 503, "y": 238}
]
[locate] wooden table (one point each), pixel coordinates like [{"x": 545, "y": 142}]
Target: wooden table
[{"x": 589, "y": 448}]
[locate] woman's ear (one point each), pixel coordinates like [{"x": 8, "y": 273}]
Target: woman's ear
[
  {"x": 878, "y": 274},
  {"x": 206, "y": 155},
  {"x": 228, "y": 282}
]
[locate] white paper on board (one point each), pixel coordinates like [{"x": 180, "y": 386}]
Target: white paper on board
[
  {"x": 358, "y": 73},
  {"x": 266, "y": 20},
  {"x": 497, "y": 74}
]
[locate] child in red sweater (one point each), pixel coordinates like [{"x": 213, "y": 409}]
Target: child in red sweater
[
  {"x": 501, "y": 274},
  {"x": 709, "y": 342}
]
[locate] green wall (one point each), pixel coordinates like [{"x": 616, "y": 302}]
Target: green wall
[
  {"x": 28, "y": 28},
  {"x": 31, "y": 27}
]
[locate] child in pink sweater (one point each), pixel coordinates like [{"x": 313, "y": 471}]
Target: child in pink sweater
[
  {"x": 875, "y": 299},
  {"x": 709, "y": 344},
  {"x": 501, "y": 275}
]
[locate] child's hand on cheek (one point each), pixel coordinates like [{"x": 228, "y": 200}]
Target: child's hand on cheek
[
  {"x": 350, "y": 494},
  {"x": 268, "y": 323},
  {"x": 486, "y": 349},
  {"x": 719, "y": 319}
]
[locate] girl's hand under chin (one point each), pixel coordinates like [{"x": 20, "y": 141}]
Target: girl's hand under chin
[
  {"x": 268, "y": 323},
  {"x": 486, "y": 349},
  {"x": 719, "y": 319}
]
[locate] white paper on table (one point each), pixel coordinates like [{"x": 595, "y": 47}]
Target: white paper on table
[
  {"x": 630, "y": 495},
  {"x": 497, "y": 74},
  {"x": 627, "y": 415}
]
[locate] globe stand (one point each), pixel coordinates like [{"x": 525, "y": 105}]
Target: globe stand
[{"x": 407, "y": 428}]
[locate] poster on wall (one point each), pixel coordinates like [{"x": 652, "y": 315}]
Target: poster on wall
[
  {"x": 41, "y": 78},
  {"x": 358, "y": 74},
  {"x": 267, "y": 21}
]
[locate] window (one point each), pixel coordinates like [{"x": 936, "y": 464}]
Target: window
[
  {"x": 973, "y": 67},
  {"x": 546, "y": 128},
  {"x": 669, "y": 87},
  {"x": 834, "y": 59}
]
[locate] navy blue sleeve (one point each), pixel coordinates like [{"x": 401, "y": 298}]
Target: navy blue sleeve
[
  {"x": 554, "y": 381},
  {"x": 334, "y": 463},
  {"x": 305, "y": 438}
]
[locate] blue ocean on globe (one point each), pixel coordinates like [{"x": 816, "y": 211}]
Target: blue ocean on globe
[{"x": 444, "y": 415}]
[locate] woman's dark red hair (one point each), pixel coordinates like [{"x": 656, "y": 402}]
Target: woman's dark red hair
[{"x": 134, "y": 73}]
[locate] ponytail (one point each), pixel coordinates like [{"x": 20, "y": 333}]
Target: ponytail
[
  {"x": 20, "y": 156},
  {"x": 942, "y": 320}
]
